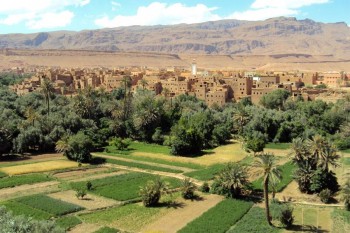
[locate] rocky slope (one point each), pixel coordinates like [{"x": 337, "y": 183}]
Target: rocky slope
[{"x": 227, "y": 37}]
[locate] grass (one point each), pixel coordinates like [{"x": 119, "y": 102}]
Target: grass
[
  {"x": 38, "y": 167},
  {"x": 278, "y": 146},
  {"x": 345, "y": 161},
  {"x": 12, "y": 181},
  {"x": 253, "y": 222},
  {"x": 3, "y": 174},
  {"x": 68, "y": 222},
  {"x": 142, "y": 166},
  {"x": 155, "y": 160},
  {"x": 132, "y": 217},
  {"x": 50, "y": 205},
  {"x": 287, "y": 177},
  {"x": 219, "y": 218},
  {"x": 341, "y": 220},
  {"x": 18, "y": 208},
  {"x": 123, "y": 187},
  {"x": 107, "y": 230},
  {"x": 210, "y": 172},
  {"x": 346, "y": 151},
  {"x": 142, "y": 147}
]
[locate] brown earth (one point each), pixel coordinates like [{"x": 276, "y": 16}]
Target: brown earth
[
  {"x": 85, "y": 228},
  {"x": 180, "y": 217}
]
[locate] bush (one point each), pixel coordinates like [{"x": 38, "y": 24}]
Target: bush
[
  {"x": 188, "y": 188},
  {"x": 286, "y": 217},
  {"x": 152, "y": 192},
  {"x": 89, "y": 185},
  {"x": 325, "y": 195},
  {"x": 324, "y": 180},
  {"x": 204, "y": 187},
  {"x": 157, "y": 137},
  {"x": 80, "y": 193},
  {"x": 119, "y": 143}
]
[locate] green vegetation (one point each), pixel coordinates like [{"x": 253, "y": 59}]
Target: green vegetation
[
  {"x": 18, "y": 208},
  {"x": 48, "y": 204},
  {"x": 286, "y": 169},
  {"x": 341, "y": 220},
  {"x": 206, "y": 173},
  {"x": 278, "y": 146},
  {"x": 142, "y": 166},
  {"x": 253, "y": 222},
  {"x": 130, "y": 217},
  {"x": 68, "y": 222},
  {"x": 219, "y": 218},
  {"x": 154, "y": 160},
  {"x": 2, "y": 174},
  {"x": 13, "y": 181},
  {"x": 107, "y": 230},
  {"x": 123, "y": 187}
]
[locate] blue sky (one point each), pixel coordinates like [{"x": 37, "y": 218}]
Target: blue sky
[{"x": 28, "y": 16}]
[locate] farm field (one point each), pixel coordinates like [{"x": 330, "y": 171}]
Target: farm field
[{"x": 113, "y": 203}]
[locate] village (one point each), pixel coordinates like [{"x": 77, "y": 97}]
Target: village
[{"x": 214, "y": 87}]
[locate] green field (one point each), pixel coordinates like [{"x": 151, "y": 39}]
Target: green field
[
  {"x": 123, "y": 187},
  {"x": 18, "y": 208},
  {"x": 12, "y": 181},
  {"x": 219, "y": 218},
  {"x": 142, "y": 147},
  {"x": 142, "y": 166},
  {"x": 48, "y": 204},
  {"x": 287, "y": 170},
  {"x": 107, "y": 230},
  {"x": 253, "y": 222},
  {"x": 341, "y": 220},
  {"x": 2, "y": 174},
  {"x": 154, "y": 160},
  {"x": 68, "y": 222}
]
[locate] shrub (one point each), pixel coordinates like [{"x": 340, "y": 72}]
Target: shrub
[
  {"x": 325, "y": 195},
  {"x": 119, "y": 143},
  {"x": 188, "y": 188},
  {"x": 89, "y": 185},
  {"x": 80, "y": 193},
  {"x": 204, "y": 187},
  {"x": 152, "y": 192},
  {"x": 157, "y": 137},
  {"x": 324, "y": 180},
  {"x": 286, "y": 217}
]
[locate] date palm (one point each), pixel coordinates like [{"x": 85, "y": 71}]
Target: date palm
[
  {"x": 329, "y": 156},
  {"x": 271, "y": 174},
  {"x": 31, "y": 115},
  {"x": 241, "y": 116},
  {"x": 316, "y": 146},
  {"x": 47, "y": 90}
]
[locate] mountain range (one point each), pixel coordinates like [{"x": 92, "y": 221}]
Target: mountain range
[{"x": 283, "y": 35}]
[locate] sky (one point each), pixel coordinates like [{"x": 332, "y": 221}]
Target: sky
[{"x": 29, "y": 16}]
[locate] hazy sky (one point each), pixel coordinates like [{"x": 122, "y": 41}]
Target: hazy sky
[{"x": 26, "y": 16}]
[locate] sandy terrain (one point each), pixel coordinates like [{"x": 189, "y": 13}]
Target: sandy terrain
[
  {"x": 85, "y": 228},
  {"x": 90, "y": 202},
  {"x": 178, "y": 218}
]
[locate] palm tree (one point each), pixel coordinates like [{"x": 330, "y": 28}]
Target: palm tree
[
  {"x": 316, "y": 147},
  {"x": 62, "y": 145},
  {"x": 299, "y": 151},
  {"x": 234, "y": 177},
  {"x": 31, "y": 115},
  {"x": 47, "y": 89},
  {"x": 328, "y": 157},
  {"x": 345, "y": 194},
  {"x": 241, "y": 116},
  {"x": 303, "y": 175},
  {"x": 267, "y": 163},
  {"x": 143, "y": 83}
]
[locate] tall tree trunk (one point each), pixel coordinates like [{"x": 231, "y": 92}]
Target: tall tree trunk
[{"x": 266, "y": 197}]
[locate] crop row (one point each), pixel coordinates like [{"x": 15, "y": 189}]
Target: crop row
[{"x": 12, "y": 181}]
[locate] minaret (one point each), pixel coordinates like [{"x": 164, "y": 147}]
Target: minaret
[{"x": 194, "y": 67}]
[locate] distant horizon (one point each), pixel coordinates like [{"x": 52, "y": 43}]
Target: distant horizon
[
  {"x": 89, "y": 29},
  {"x": 19, "y": 16}
]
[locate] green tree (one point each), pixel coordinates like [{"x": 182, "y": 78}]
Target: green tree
[
  {"x": 232, "y": 179},
  {"x": 345, "y": 194},
  {"x": 267, "y": 163},
  {"x": 275, "y": 99},
  {"x": 152, "y": 191},
  {"x": 255, "y": 143},
  {"x": 47, "y": 90},
  {"x": 76, "y": 147}
]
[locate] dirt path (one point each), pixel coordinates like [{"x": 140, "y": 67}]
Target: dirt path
[
  {"x": 81, "y": 172},
  {"x": 180, "y": 217},
  {"x": 85, "y": 228},
  {"x": 168, "y": 174},
  {"x": 28, "y": 189},
  {"x": 185, "y": 169}
]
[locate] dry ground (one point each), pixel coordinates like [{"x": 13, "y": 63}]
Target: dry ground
[
  {"x": 85, "y": 228},
  {"x": 90, "y": 202},
  {"x": 178, "y": 218}
]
